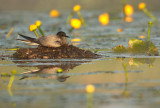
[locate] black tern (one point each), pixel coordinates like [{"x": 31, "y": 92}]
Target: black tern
[{"x": 48, "y": 41}]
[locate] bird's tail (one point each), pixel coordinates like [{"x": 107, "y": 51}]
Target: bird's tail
[{"x": 34, "y": 40}]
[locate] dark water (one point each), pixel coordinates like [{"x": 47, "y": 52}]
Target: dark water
[{"x": 37, "y": 84}]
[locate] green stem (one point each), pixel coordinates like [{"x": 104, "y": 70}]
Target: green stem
[
  {"x": 71, "y": 29},
  {"x": 126, "y": 72},
  {"x": 40, "y": 30},
  {"x": 69, "y": 17},
  {"x": 149, "y": 30},
  {"x": 149, "y": 14},
  {"x": 89, "y": 100},
  {"x": 36, "y": 33},
  {"x": 81, "y": 18}
]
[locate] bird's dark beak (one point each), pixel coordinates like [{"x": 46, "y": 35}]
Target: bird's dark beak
[{"x": 67, "y": 36}]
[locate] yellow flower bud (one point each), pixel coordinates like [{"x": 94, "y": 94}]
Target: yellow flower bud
[
  {"x": 38, "y": 23},
  {"x": 59, "y": 70},
  {"x": 75, "y": 23},
  {"x": 142, "y": 5},
  {"x": 13, "y": 71},
  {"x": 54, "y": 13},
  {"x": 90, "y": 88},
  {"x": 104, "y": 19},
  {"x": 32, "y": 27},
  {"x": 128, "y": 10},
  {"x": 76, "y": 8}
]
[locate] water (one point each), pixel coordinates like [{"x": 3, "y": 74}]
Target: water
[{"x": 37, "y": 84}]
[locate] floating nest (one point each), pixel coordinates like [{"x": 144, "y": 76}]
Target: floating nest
[{"x": 65, "y": 51}]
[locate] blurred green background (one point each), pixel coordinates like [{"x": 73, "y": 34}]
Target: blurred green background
[{"x": 46, "y": 5}]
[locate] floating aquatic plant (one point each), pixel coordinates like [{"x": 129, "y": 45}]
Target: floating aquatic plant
[
  {"x": 33, "y": 28},
  {"x": 138, "y": 46},
  {"x": 142, "y": 6},
  {"x": 104, "y": 19},
  {"x": 38, "y": 24}
]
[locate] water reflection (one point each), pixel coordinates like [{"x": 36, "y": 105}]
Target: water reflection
[
  {"x": 139, "y": 61},
  {"x": 50, "y": 71}
]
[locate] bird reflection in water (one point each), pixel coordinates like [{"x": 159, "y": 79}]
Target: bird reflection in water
[{"x": 50, "y": 71}]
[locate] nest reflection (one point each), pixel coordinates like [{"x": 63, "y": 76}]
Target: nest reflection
[{"x": 50, "y": 71}]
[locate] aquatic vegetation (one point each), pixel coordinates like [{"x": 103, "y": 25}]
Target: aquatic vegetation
[
  {"x": 54, "y": 13},
  {"x": 38, "y": 24},
  {"x": 141, "y": 61},
  {"x": 139, "y": 46},
  {"x": 125, "y": 92},
  {"x": 119, "y": 49},
  {"x": 10, "y": 31},
  {"x": 142, "y": 6},
  {"x": 76, "y": 9},
  {"x": 33, "y": 28},
  {"x": 12, "y": 78},
  {"x": 104, "y": 19},
  {"x": 90, "y": 90}
]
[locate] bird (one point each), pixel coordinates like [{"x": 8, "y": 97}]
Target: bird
[
  {"x": 45, "y": 72},
  {"x": 48, "y": 41}
]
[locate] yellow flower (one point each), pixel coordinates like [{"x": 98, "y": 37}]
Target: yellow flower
[
  {"x": 104, "y": 19},
  {"x": 142, "y": 5},
  {"x": 75, "y": 23},
  {"x": 90, "y": 88},
  {"x": 128, "y": 10},
  {"x": 59, "y": 70},
  {"x": 76, "y": 8},
  {"x": 54, "y": 13},
  {"x": 32, "y": 27},
  {"x": 38, "y": 23}
]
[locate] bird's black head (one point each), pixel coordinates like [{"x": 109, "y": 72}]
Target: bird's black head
[{"x": 62, "y": 34}]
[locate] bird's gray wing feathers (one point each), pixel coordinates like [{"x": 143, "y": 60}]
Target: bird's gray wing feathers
[{"x": 29, "y": 38}]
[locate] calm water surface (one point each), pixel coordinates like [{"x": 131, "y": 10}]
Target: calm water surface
[{"x": 37, "y": 84}]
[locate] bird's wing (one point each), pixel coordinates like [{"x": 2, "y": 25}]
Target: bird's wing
[
  {"x": 27, "y": 42},
  {"x": 34, "y": 40}
]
